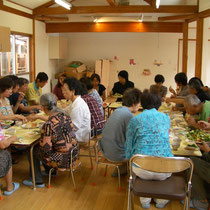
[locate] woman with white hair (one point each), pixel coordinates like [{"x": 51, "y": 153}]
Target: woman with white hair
[
  {"x": 194, "y": 106},
  {"x": 56, "y": 142}
]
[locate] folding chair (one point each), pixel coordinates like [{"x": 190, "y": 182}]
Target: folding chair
[
  {"x": 72, "y": 167},
  {"x": 173, "y": 188},
  {"x": 104, "y": 161}
]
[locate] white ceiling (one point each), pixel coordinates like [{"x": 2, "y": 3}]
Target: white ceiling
[{"x": 35, "y": 3}]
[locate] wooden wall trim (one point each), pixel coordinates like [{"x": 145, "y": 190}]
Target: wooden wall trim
[
  {"x": 32, "y": 54},
  {"x": 175, "y": 27},
  {"x": 199, "y": 48},
  {"x": 185, "y": 48},
  {"x": 15, "y": 11}
]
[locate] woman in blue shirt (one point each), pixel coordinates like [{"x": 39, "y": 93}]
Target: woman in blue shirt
[{"x": 148, "y": 134}]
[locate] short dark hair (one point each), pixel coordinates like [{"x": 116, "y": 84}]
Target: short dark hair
[
  {"x": 14, "y": 78},
  {"x": 159, "y": 78},
  {"x": 61, "y": 75},
  {"x": 73, "y": 84},
  {"x": 42, "y": 77},
  {"x": 83, "y": 90},
  {"x": 150, "y": 101},
  {"x": 123, "y": 74},
  {"x": 181, "y": 78},
  {"x": 131, "y": 97},
  {"x": 5, "y": 83},
  {"x": 96, "y": 76},
  {"x": 195, "y": 84},
  {"x": 22, "y": 81},
  {"x": 88, "y": 82},
  {"x": 196, "y": 79}
]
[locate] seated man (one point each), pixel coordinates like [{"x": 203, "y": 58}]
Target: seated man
[
  {"x": 21, "y": 106},
  {"x": 78, "y": 109},
  {"x": 194, "y": 106},
  {"x": 34, "y": 90},
  {"x": 114, "y": 132},
  {"x": 97, "y": 118}
]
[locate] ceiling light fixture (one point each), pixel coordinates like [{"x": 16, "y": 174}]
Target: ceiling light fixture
[
  {"x": 64, "y": 4},
  {"x": 141, "y": 18},
  {"x": 95, "y": 20},
  {"x": 157, "y": 4}
]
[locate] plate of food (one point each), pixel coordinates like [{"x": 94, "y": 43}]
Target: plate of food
[
  {"x": 30, "y": 125},
  {"x": 7, "y": 122},
  {"x": 191, "y": 147},
  {"x": 117, "y": 95},
  {"x": 34, "y": 133},
  {"x": 198, "y": 135}
]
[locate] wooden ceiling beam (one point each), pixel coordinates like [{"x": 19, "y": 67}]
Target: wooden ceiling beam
[
  {"x": 114, "y": 27},
  {"x": 51, "y": 18},
  {"x": 112, "y": 3},
  {"x": 15, "y": 11},
  {"x": 178, "y": 17},
  {"x": 119, "y": 9},
  {"x": 46, "y": 5}
]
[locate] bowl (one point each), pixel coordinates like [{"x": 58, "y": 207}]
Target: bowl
[
  {"x": 177, "y": 140},
  {"x": 18, "y": 123},
  {"x": 175, "y": 145}
]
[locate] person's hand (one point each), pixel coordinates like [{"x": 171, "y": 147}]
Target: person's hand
[
  {"x": 208, "y": 119},
  {"x": 205, "y": 125},
  {"x": 38, "y": 107},
  {"x": 21, "y": 96},
  {"x": 13, "y": 139},
  {"x": 32, "y": 117},
  {"x": 172, "y": 90},
  {"x": 204, "y": 147},
  {"x": 20, "y": 118},
  {"x": 191, "y": 121}
]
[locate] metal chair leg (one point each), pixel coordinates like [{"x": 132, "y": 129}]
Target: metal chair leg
[
  {"x": 105, "y": 171},
  {"x": 72, "y": 176},
  {"x": 132, "y": 201},
  {"x": 91, "y": 161},
  {"x": 50, "y": 175},
  {"x": 96, "y": 169},
  {"x": 118, "y": 171}
]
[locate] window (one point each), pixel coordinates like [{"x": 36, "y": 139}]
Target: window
[{"x": 17, "y": 61}]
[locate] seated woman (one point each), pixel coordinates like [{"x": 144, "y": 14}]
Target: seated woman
[
  {"x": 148, "y": 134},
  {"x": 177, "y": 97},
  {"x": 194, "y": 106},
  {"x": 123, "y": 84},
  {"x": 78, "y": 110},
  {"x": 93, "y": 92},
  {"x": 159, "y": 88},
  {"x": 57, "y": 90},
  {"x": 99, "y": 87},
  {"x": 113, "y": 134},
  {"x": 6, "y": 164},
  {"x": 6, "y": 112},
  {"x": 56, "y": 142},
  {"x": 97, "y": 118}
]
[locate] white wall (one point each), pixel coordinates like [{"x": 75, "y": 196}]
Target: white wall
[
  {"x": 15, "y": 22},
  {"x": 204, "y": 5},
  {"x": 43, "y": 63},
  {"x": 142, "y": 47}
]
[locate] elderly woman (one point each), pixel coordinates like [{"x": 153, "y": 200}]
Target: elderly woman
[
  {"x": 148, "y": 134},
  {"x": 56, "y": 142},
  {"x": 6, "y": 164},
  {"x": 57, "y": 90},
  {"x": 6, "y": 112}
]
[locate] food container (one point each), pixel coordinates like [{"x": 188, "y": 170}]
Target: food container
[{"x": 175, "y": 145}]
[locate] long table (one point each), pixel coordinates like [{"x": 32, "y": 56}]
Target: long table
[{"x": 26, "y": 139}]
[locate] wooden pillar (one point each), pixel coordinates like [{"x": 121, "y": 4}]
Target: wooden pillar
[
  {"x": 33, "y": 67},
  {"x": 185, "y": 47},
  {"x": 199, "y": 47}
]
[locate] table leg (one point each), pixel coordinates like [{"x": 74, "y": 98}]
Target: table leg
[{"x": 32, "y": 166}]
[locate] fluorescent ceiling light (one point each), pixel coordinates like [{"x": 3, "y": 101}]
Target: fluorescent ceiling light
[
  {"x": 95, "y": 20},
  {"x": 157, "y": 3},
  {"x": 141, "y": 18},
  {"x": 64, "y": 4}
]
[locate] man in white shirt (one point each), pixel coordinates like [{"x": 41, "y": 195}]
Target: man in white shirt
[{"x": 78, "y": 110}]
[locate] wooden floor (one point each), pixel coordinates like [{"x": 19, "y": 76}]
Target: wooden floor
[{"x": 61, "y": 196}]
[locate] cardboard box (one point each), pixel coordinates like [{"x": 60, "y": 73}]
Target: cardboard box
[{"x": 73, "y": 72}]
